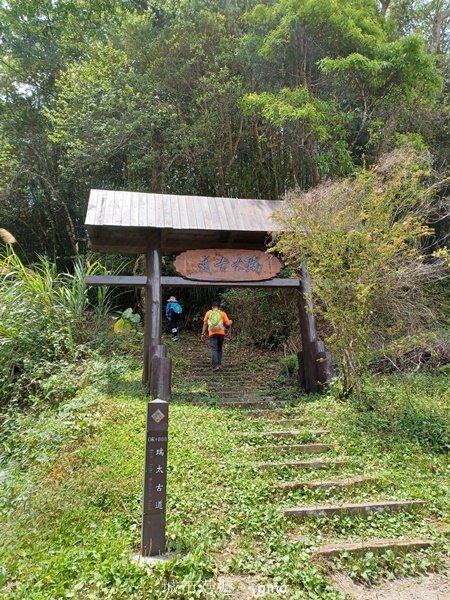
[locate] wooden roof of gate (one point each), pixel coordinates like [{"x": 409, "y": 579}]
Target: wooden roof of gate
[{"x": 121, "y": 222}]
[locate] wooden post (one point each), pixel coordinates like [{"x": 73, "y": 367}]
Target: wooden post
[
  {"x": 315, "y": 367},
  {"x": 161, "y": 377},
  {"x": 307, "y": 363},
  {"x": 153, "y": 304},
  {"x": 153, "y": 541}
]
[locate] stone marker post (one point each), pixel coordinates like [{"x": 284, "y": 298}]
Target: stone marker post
[{"x": 153, "y": 540}]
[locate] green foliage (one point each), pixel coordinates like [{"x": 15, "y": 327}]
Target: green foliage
[
  {"x": 128, "y": 321},
  {"x": 370, "y": 568},
  {"x": 364, "y": 242},
  {"x": 413, "y": 408},
  {"x": 400, "y": 70},
  {"x": 240, "y": 99},
  {"x": 39, "y": 40},
  {"x": 42, "y": 324},
  {"x": 263, "y": 318}
]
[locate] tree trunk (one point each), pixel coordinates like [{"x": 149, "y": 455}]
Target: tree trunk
[{"x": 437, "y": 28}]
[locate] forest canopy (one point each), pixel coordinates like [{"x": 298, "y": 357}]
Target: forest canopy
[{"x": 225, "y": 97}]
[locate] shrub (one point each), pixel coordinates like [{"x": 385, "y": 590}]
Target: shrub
[
  {"x": 365, "y": 243},
  {"x": 42, "y": 326}
]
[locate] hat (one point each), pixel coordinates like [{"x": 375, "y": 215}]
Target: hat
[{"x": 172, "y": 299}]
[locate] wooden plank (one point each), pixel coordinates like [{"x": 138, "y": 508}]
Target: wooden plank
[
  {"x": 140, "y": 281},
  {"x": 191, "y": 214},
  {"x": 121, "y": 210},
  {"x": 376, "y": 546},
  {"x": 201, "y": 210},
  {"x": 330, "y": 510},
  {"x": 184, "y": 221},
  {"x": 226, "y": 216},
  {"x": 159, "y": 210},
  {"x": 147, "y": 210},
  {"x": 167, "y": 211},
  {"x": 103, "y": 216},
  {"x": 134, "y": 210},
  {"x": 286, "y": 434},
  {"x": 210, "y": 215},
  {"x": 91, "y": 212},
  {"x": 176, "y": 214}
]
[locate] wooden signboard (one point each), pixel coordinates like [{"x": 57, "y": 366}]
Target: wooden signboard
[{"x": 227, "y": 265}]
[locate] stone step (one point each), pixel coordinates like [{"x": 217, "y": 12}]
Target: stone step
[
  {"x": 289, "y": 486},
  {"x": 273, "y": 415},
  {"x": 330, "y": 510},
  {"x": 303, "y": 448},
  {"x": 214, "y": 379},
  {"x": 249, "y": 399},
  {"x": 247, "y": 404},
  {"x": 246, "y": 400},
  {"x": 240, "y": 392},
  {"x": 287, "y": 434},
  {"x": 305, "y": 464},
  {"x": 270, "y": 413},
  {"x": 376, "y": 545},
  {"x": 204, "y": 366},
  {"x": 294, "y": 422}
]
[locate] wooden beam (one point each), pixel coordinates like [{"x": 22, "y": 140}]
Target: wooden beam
[
  {"x": 181, "y": 282},
  {"x": 117, "y": 280},
  {"x": 140, "y": 281}
]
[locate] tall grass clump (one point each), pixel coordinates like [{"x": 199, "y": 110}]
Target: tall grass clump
[{"x": 43, "y": 328}]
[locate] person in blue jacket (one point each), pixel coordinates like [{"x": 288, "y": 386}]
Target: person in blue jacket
[{"x": 173, "y": 313}]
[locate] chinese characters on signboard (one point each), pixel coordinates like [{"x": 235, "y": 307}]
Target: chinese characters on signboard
[
  {"x": 245, "y": 263},
  {"x": 156, "y": 473},
  {"x": 227, "y": 265},
  {"x": 155, "y": 479}
]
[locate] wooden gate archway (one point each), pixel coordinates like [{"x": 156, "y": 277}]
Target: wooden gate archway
[{"x": 157, "y": 224}]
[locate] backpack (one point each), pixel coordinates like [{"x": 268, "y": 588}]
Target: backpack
[
  {"x": 177, "y": 308},
  {"x": 215, "y": 322}
]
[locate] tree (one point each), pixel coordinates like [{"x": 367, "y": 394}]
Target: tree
[
  {"x": 348, "y": 79},
  {"x": 39, "y": 38}
]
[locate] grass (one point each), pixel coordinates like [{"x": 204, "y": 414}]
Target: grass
[{"x": 71, "y": 499}]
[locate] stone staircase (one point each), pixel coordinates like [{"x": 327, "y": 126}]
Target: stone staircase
[
  {"x": 245, "y": 381},
  {"x": 283, "y": 443},
  {"x": 323, "y": 512}
]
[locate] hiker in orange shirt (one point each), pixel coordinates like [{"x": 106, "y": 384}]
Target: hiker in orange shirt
[{"x": 215, "y": 322}]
